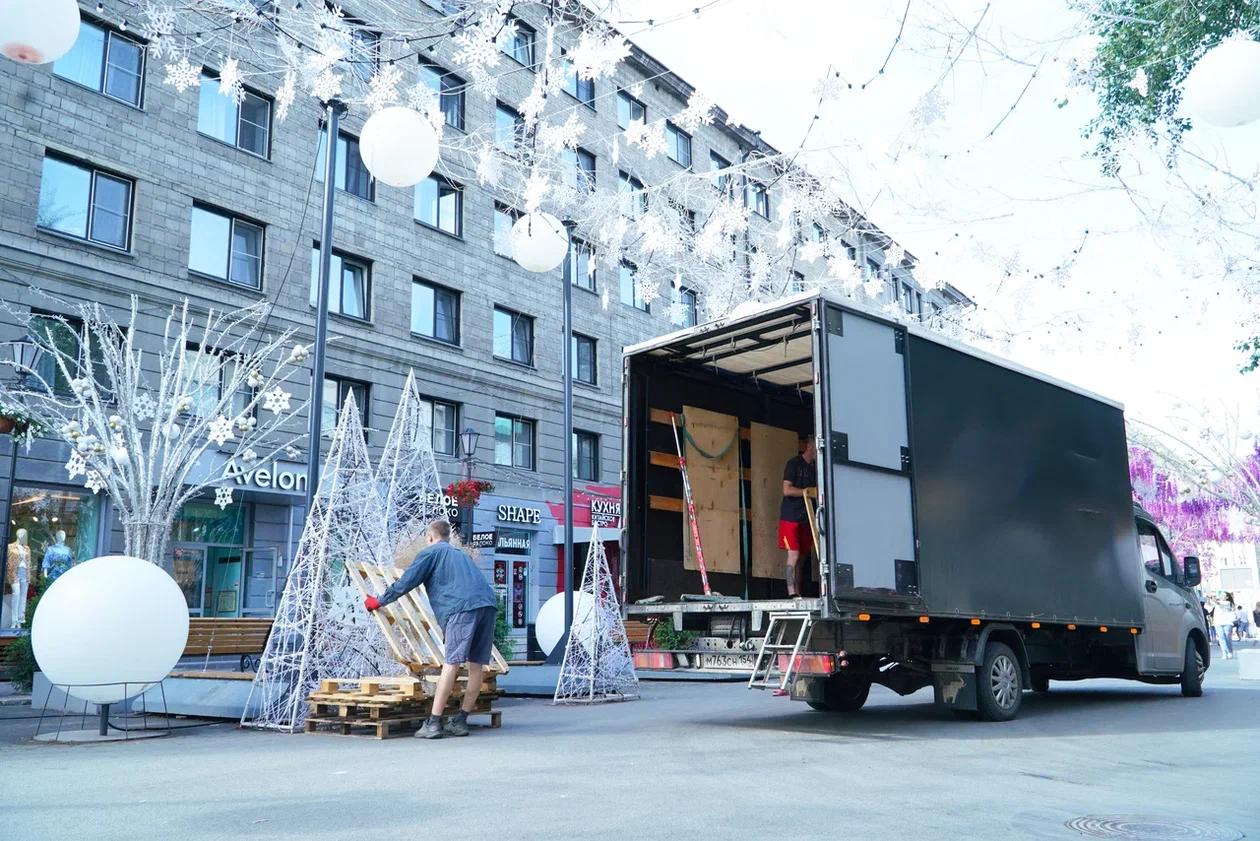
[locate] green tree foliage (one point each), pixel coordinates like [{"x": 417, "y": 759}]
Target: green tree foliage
[{"x": 1163, "y": 39}]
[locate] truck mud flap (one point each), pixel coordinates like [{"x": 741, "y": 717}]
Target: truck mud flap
[
  {"x": 954, "y": 685},
  {"x": 902, "y": 680}
]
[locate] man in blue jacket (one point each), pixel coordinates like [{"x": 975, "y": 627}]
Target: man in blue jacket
[{"x": 465, "y": 607}]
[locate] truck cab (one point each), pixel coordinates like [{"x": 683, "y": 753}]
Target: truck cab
[{"x": 1174, "y": 635}]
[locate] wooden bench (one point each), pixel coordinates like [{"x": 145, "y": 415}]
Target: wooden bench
[
  {"x": 638, "y": 633},
  {"x": 246, "y": 637}
]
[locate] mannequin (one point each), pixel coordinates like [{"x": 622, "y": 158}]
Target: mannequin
[
  {"x": 57, "y": 558},
  {"x": 17, "y": 575}
]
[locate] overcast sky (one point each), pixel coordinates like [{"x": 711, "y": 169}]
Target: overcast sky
[{"x": 1145, "y": 313}]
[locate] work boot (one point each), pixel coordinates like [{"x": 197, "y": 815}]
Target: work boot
[
  {"x": 457, "y": 725},
  {"x": 431, "y": 729}
]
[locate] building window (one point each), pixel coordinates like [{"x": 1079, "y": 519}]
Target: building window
[
  {"x": 450, "y": 90},
  {"x": 440, "y": 204},
  {"x": 757, "y": 196},
  {"x": 634, "y": 200},
  {"x": 352, "y": 173},
  {"x": 796, "y": 283},
  {"x": 585, "y": 456},
  {"x": 584, "y": 360},
  {"x": 45, "y": 513},
  {"x": 245, "y": 125},
  {"x": 685, "y": 312},
  {"x": 516, "y": 40},
  {"x": 677, "y": 145},
  {"x": 365, "y": 58},
  {"x": 504, "y": 219},
  {"x": 209, "y": 374},
  {"x": 513, "y": 336},
  {"x": 435, "y": 312},
  {"x": 443, "y": 418},
  {"x": 583, "y": 90},
  {"x": 226, "y": 247},
  {"x": 509, "y": 129},
  {"x": 106, "y": 62},
  {"x": 629, "y": 110},
  {"x": 64, "y": 334},
  {"x": 580, "y": 174},
  {"x": 579, "y": 268},
  {"x": 630, "y": 294},
  {"x": 722, "y": 178},
  {"x": 816, "y": 233},
  {"x": 348, "y": 285},
  {"x": 84, "y": 202},
  {"x": 336, "y": 390},
  {"x": 514, "y": 442},
  {"x": 872, "y": 269}
]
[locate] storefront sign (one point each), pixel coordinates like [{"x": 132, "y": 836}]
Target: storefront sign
[
  {"x": 520, "y": 514},
  {"x": 447, "y": 502},
  {"x": 520, "y": 582},
  {"x": 482, "y": 540},
  {"x": 605, "y": 513},
  {"x": 272, "y": 475},
  {"x": 513, "y": 541}
]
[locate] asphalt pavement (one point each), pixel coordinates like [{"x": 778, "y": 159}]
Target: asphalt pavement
[{"x": 1098, "y": 759}]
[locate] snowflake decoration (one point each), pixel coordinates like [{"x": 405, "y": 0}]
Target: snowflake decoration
[
  {"x": 183, "y": 74},
  {"x": 484, "y": 83},
  {"x": 636, "y": 90},
  {"x": 286, "y": 95},
  {"x": 930, "y": 109},
  {"x": 566, "y": 135},
  {"x": 699, "y": 111},
  {"x": 537, "y": 186},
  {"x": 326, "y": 86},
  {"x": 758, "y": 265},
  {"x": 895, "y": 255},
  {"x": 142, "y": 407},
  {"x": 230, "y": 81},
  {"x": 489, "y": 168},
  {"x": 277, "y": 400},
  {"x": 532, "y": 106},
  {"x": 76, "y": 466},
  {"x": 873, "y": 286},
  {"x": 383, "y": 88},
  {"x": 219, "y": 430},
  {"x": 810, "y": 250},
  {"x": 159, "y": 21},
  {"x": 650, "y": 137},
  {"x": 475, "y": 51},
  {"x": 94, "y": 482},
  {"x": 1139, "y": 82},
  {"x": 222, "y": 497},
  {"x": 598, "y": 53},
  {"x": 648, "y": 289},
  {"x": 603, "y": 299},
  {"x": 831, "y": 87},
  {"x": 678, "y": 312},
  {"x": 420, "y": 97}
]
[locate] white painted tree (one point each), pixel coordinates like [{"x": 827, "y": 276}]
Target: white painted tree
[
  {"x": 598, "y": 665},
  {"x": 321, "y": 630},
  {"x": 157, "y": 429}
]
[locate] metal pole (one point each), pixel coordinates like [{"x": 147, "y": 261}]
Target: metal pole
[
  {"x": 103, "y": 722},
  {"x": 332, "y": 117},
  {"x": 557, "y": 653}
]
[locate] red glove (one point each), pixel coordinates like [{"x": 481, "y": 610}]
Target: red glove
[{"x": 371, "y": 603}]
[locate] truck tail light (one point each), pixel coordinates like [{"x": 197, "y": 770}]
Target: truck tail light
[{"x": 809, "y": 664}]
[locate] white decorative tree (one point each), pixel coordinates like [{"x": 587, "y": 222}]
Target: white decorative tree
[
  {"x": 597, "y": 664},
  {"x": 407, "y": 474},
  {"x": 159, "y": 428}
]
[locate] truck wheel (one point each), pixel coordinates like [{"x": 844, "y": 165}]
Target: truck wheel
[
  {"x": 999, "y": 687},
  {"x": 1192, "y": 671},
  {"x": 842, "y": 693}
]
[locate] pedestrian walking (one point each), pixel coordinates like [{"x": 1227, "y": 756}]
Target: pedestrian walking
[
  {"x": 1255, "y": 619},
  {"x": 1223, "y": 621},
  {"x": 465, "y": 607}
]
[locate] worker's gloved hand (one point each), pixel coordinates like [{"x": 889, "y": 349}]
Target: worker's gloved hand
[{"x": 371, "y": 603}]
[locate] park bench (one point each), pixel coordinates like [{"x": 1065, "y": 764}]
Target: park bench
[{"x": 246, "y": 637}]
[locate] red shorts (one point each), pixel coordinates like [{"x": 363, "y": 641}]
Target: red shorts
[{"x": 795, "y": 537}]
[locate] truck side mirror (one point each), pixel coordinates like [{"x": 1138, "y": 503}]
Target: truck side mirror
[{"x": 1193, "y": 575}]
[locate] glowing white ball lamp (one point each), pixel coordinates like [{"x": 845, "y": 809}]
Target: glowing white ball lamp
[
  {"x": 539, "y": 241},
  {"x": 1223, "y": 87},
  {"x": 106, "y": 621},
  {"x": 549, "y": 624},
  {"x": 38, "y": 31},
  {"x": 399, "y": 146}
]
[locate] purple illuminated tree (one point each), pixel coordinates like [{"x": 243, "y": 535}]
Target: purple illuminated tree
[{"x": 1191, "y": 519}]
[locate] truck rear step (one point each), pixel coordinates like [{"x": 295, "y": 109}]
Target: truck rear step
[{"x": 768, "y": 672}]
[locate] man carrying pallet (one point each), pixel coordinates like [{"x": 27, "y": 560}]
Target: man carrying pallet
[
  {"x": 799, "y": 474},
  {"x": 465, "y": 607}
]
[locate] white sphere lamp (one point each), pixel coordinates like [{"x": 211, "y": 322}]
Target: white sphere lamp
[
  {"x": 1223, "y": 87},
  {"x": 549, "y": 624},
  {"x": 38, "y": 31},
  {"x": 108, "y": 621},
  {"x": 540, "y": 242},
  {"x": 399, "y": 146}
]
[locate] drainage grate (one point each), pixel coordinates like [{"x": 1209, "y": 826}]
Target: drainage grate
[{"x": 1138, "y": 828}]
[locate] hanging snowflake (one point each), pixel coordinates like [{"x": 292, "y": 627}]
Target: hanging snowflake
[
  {"x": 484, "y": 83},
  {"x": 222, "y": 497},
  {"x": 422, "y": 98},
  {"x": 557, "y": 136},
  {"x": 895, "y": 255},
  {"x": 810, "y": 250},
  {"x": 930, "y": 109},
  {"x": 326, "y": 86},
  {"x": 678, "y": 312},
  {"x": 699, "y": 111},
  {"x": 597, "y": 53},
  {"x": 219, "y": 430},
  {"x": 230, "y": 81},
  {"x": 536, "y": 188},
  {"x": 142, "y": 407},
  {"x": 489, "y": 168},
  {"x": 831, "y": 87},
  {"x": 474, "y": 50},
  {"x": 159, "y": 21},
  {"x": 277, "y": 400},
  {"x": 95, "y": 482},
  {"x": 183, "y": 74},
  {"x": 647, "y": 289},
  {"x": 286, "y": 95},
  {"x": 76, "y": 466},
  {"x": 383, "y": 88},
  {"x": 636, "y": 90},
  {"x": 650, "y": 137}
]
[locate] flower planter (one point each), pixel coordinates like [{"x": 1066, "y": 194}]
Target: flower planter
[{"x": 6, "y": 425}]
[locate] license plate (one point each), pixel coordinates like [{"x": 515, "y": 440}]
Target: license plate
[{"x": 728, "y": 662}]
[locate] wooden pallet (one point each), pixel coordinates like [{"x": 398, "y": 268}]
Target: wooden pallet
[
  {"x": 384, "y": 728},
  {"x": 410, "y": 628}
]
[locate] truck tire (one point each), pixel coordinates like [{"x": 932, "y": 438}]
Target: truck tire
[
  {"x": 842, "y": 693},
  {"x": 999, "y": 684},
  {"x": 1192, "y": 671}
]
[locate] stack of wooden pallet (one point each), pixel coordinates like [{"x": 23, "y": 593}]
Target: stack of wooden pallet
[
  {"x": 395, "y": 706},
  {"x": 385, "y": 706}
]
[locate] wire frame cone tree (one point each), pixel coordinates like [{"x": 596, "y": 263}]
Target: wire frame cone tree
[
  {"x": 407, "y": 474},
  {"x": 157, "y": 429},
  {"x": 321, "y": 631},
  {"x": 597, "y": 664}
]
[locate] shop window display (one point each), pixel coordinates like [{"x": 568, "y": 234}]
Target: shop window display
[
  {"x": 51, "y": 530},
  {"x": 208, "y": 555}
]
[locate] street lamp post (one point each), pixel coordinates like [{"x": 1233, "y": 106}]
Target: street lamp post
[
  {"x": 468, "y": 444},
  {"x": 24, "y": 356},
  {"x": 557, "y": 653}
]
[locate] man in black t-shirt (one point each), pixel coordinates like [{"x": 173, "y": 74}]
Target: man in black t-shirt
[{"x": 799, "y": 473}]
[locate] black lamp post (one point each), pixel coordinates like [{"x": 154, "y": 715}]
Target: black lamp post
[
  {"x": 24, "y": 355},
  {"x": 468, "y": 446}
]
